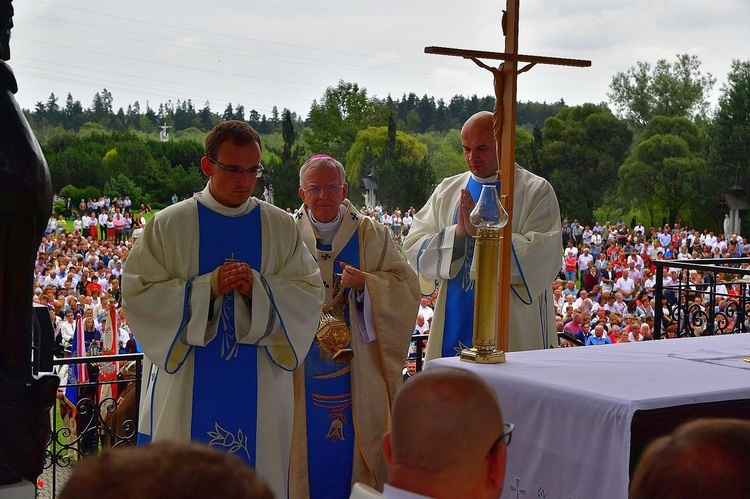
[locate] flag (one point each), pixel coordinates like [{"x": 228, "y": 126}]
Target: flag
[
  {"x": 77, "y": 373},
  {"x": 108, "y": 371}
]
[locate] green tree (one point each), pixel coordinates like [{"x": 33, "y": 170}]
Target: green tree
[
  {"x": 121, "y": 186},
  {"x": 731, "y": 131},
  {"x": 371, "y": 143},
  {"x": 399, "y": 161},
  {"x": 663, "y": 171},
  {"x": 101, "y": 107},
  {"x": 445, "y": 152},
  {"x": 582, "y": 148},
  {"x": 678, "y": 89},
  {"x": 285, "y": 165},
  {"x": 335, "y": 121},
  {"x": 73, "y": 113}
]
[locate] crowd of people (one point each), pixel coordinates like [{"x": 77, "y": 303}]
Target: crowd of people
[
  {"x": 605, "y": 290},
  {"x": 240, "y": 286},
  {"x": 398, "y": 223},
  {"x": 76, "y": 275},
  {"x": 104, "y": 219}
]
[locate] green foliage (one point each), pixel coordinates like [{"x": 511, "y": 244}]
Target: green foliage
[
  {"x": 731, "y": 132},
  {"x": 678, "y": 89},
  {"x": 370, "y": 144},
  {"x": 155, "y": 170},
  {"x": 444, "y": 152},
  {"x": 404, "y": 182},
  {"x": 399, "y": 162},
  {"x": 535, "y": 113},
  {"x": 524, "y": 145},
  {"x": 663, "y": 170},
  {"x": 582, "y": 148},
  {"x": 579, "y": 149},
  {"x": 121, "y": 186},
  {"x": 90, "y": 127},
  {"x": 284, "y": 164},
  {"x": 184, "y": 153},
  {"x": 191, "y": 133},
  {"x": 76, "y": 194},
  {"x": 335, "y": 121}
]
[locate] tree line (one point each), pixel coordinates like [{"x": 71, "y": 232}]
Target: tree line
[
  {"x": 413, "y": 114},
  {"x": 658, "y": 153}
]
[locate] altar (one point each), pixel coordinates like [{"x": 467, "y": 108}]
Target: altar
[{"x": 579, "y": 411}]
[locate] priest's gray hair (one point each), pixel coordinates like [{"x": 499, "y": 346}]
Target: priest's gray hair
[{"x": 320, "y": 161}]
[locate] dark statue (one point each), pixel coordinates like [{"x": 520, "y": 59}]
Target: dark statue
[{"x": 25, "y": 206}]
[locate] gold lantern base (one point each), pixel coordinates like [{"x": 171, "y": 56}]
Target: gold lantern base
[{"x": 482, "y": 356}]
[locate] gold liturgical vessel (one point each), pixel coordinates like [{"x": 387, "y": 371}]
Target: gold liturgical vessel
[{"x": 489, "y": 217}]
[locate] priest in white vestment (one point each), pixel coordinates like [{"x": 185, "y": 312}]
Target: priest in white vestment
[
  {"x": 343, "y": 405},
  {"x": 440, "y": 248},
  {"x": 224, "y": 298}
]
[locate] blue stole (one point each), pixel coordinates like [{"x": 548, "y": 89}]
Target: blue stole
[
  {"x": 459, "y": 305},
  {"x": 328, "y": 400},
  {"x": 225, "y": 383}
]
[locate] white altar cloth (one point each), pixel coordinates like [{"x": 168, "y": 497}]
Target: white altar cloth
[{"x": 573, "y": 407}]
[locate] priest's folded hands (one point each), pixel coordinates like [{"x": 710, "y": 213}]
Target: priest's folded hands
[{"x": 232, "y": 275}]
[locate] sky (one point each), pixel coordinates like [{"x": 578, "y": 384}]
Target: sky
[{"x": 285, "y": 53}]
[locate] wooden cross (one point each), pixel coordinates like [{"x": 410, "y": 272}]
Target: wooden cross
[{"x": 504, "y": 126}]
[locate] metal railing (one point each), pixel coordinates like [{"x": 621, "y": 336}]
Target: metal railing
[
  {"x": 93, "y": 422},
  {"x": 723, "y": 307},
  {"x": 416, "y": 348}
]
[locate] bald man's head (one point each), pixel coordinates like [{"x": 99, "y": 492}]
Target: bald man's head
[
  {"x": 445, "y": 418},
  {"x": 478, "y": 143}
]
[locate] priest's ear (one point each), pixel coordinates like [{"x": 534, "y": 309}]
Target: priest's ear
[
  {"x": 495, "y": 469},
  {"x": 387, "y": 450},
  {"x": 206, "y": 166}
]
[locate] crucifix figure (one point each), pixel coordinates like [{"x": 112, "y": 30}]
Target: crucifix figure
[
  {"x": 504, "y": 127},
  {"x": 164, "y": 132}
]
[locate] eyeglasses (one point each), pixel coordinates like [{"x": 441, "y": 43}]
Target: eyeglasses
[
  {"x": 316, "y": 191},
  {"x": 236, "y": 171},
  {"x": 507, "y": 436}
]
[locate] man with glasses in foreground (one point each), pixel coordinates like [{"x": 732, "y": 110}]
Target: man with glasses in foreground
[
  {"x": 448, "y": 439},
  {"x": 345, "y": 387},
  {"x": 224, "y": 299}
]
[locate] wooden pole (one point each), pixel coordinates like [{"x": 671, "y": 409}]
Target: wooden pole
[{"x": 504, "y": 121}]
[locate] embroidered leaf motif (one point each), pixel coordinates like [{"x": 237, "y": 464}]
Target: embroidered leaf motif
[{"x": 223, "y": 438}]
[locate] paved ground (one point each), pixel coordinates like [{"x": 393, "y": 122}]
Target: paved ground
[{"x": 60, "y": 478}]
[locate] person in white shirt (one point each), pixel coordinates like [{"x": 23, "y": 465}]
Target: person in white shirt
[
  {"x": 559, "y": 302},
  {"x": 710, "y": 240},
  {"x": 585, "y": 304},
  {"x": 636, "y": 258},
  {"x": 425, "y": 310},
  {"x": 596, "y": 239},
  {"x": 66, "y": 329},
  {"x": 683, "y": 254},
  {"x": 85, "y": 222},
  {"x": 103, "y": 218},
  {"x": 587, "y": 235},
  {"x": 649, "y": 281},
  {"x": 584, "y": 259},
  {"x": 117, "y": 270},
  {"x": 625, "y": 285}
]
